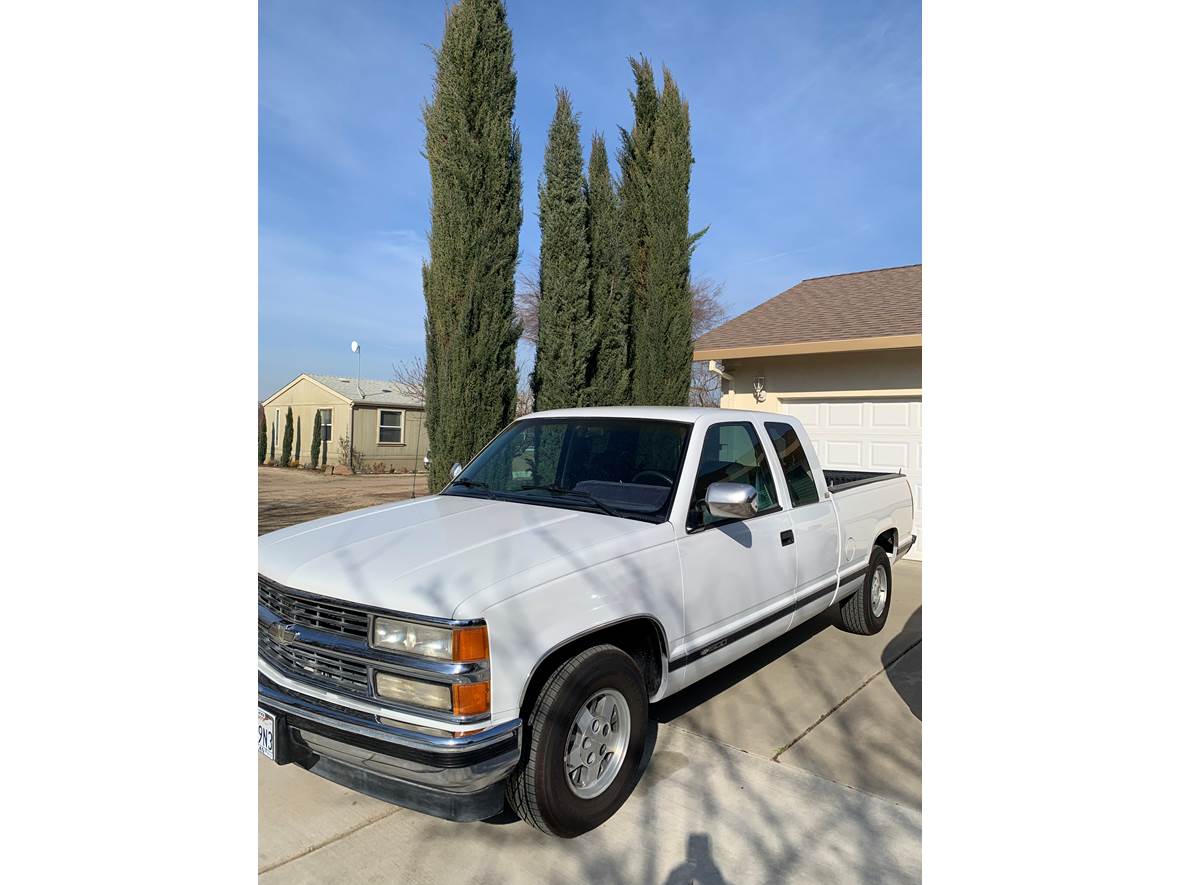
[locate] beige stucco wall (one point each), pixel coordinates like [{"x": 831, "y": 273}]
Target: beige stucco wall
[
  {"x": 857, "y": 373},
  {"x": 305, "y": 397}
]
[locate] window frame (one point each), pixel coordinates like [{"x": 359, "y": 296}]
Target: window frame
[
  {"x": 400, "y": 428},
  {"x": 325, "y": 423},
  {"x": 762, "y": 444}
]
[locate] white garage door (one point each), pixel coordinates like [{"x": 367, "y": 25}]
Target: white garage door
[{"x": 873, "y": 434}]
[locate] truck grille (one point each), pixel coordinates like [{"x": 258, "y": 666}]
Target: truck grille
[
  {"x": 311, "y": 612},
  {"x": 321, "y": 666}
]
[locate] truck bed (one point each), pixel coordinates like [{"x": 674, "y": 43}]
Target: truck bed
[{"x": 842, "y": 480}]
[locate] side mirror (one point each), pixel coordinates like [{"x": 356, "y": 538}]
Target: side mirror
[
  {"x": 731, "y": 500},
  {"x": 456, "y": 469}
]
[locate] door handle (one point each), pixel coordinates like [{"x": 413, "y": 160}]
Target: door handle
[{"x": 787, "y": 537}]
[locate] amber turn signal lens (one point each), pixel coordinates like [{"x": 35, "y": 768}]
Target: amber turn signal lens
[
  {"x": 472, "y": 699},
  {"x": 469, "y": 644}
]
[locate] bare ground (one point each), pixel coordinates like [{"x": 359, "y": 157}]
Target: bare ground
[{"x": 287, "y": 497}]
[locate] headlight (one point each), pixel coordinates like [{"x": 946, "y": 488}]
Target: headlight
[
  {"x": 427, "y": 640},
  {"x": 414, "y": 692},
  {"x": 415, "y": 639}
]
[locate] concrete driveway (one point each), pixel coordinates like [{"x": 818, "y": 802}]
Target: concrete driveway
[{"x": 801, "y": 762}]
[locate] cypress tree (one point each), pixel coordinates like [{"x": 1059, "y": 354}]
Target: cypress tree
[
  {"x": 316, "y": 431},
  {"x": 298, "y": 437},
  {"x": 274, "y": 435},
  {"x": 563, "y": 329},
  {"x": 473, "y": 150},
  {"x": 663, "y": 321},
  {"x": 288, "y": 436},
  {"x": 261, "y": 437},
  {"x": 635, "y": 218},
  {"x": 608, "y": 373}
]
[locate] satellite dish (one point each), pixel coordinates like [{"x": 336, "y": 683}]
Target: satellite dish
[{"x": 356, "y": 346}]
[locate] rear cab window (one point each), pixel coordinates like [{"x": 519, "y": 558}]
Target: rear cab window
[{"x": 796, "y": 470}]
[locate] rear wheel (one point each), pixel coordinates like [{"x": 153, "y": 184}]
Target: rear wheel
[
  {"x": 583, "y": 743},
  {"x": 865, "y": 610}
]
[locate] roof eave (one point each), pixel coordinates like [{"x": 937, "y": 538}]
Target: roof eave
[{"x": 791, "y": 348}]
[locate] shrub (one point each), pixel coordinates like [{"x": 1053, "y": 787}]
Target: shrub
[{"x": 288, "y": 437}]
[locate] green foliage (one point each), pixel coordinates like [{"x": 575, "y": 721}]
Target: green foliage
[
  {"x": 564, "y": 335},
  {"x": 316, "y": 441},
  {"x": 662, "y": 316},
  {"x": 608, "y": 372},
  {"x": 635, "y": 208},
  {"x": 261, "y": 437},
  {"x": 473, "y": 150},
  {"x": 288, "y": 437}
]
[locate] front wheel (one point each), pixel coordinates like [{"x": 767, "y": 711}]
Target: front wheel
[
  {"x": 583, "y": 744},
  {"x": 865, "y": 610}
]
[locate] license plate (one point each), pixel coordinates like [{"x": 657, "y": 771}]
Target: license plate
[{"x": 266, "y": 734}]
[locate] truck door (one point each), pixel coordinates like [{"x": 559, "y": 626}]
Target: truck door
[
  {"x": 812, "y": 517},
  {"x": 735, "y": 571}
]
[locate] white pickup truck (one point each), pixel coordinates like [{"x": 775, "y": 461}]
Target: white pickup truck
[{"x": 504, "y": 638}]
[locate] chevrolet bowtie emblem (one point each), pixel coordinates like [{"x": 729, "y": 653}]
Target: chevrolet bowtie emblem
[{"x": 283, "y": 634}]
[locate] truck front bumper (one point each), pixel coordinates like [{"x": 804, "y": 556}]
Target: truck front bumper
[{"x": 457, "y": 778}]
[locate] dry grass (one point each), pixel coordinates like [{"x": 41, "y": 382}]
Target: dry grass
[{"x": 287, "y": 497}]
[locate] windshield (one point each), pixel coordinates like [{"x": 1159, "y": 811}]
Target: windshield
[{"x": 624, "y": 467}]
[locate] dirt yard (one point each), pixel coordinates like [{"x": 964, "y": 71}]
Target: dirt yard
[{"x": 286, "y": 497}]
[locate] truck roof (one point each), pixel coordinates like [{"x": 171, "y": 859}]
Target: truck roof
[{"x": 665, "y": 413}]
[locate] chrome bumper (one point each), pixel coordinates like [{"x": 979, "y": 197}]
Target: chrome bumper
[{"x": 459, "y": 778}]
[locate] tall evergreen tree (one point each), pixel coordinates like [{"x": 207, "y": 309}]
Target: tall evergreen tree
[
  {"x": 473, "y": 150},
  {"x": 564, "y": 335},
  {"x": 608, "y": 373},
  {"x": 261, "y": 436},
  {"x": 663, "y": 320},
  {"x": 288, "y": 438},
  {"x": 635, "y": 211},
  {"x": 316, "y": 439}
]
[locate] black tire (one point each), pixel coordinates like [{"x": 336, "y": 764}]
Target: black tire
[
  {"x": 538, "y": 789},
  {"x": 856, "y": 612}
]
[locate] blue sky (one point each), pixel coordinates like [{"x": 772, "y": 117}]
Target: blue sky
[{"x": 806, "y": 129}]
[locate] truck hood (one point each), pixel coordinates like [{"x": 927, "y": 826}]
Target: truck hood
[{"x": 428, "y": 555}]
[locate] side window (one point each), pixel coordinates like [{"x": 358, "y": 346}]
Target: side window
[
  {"x": 731, "y": 453},
  {"x": 326, "y": 424},
  {"x": 389, "y": 429},
  {"x": 796, "y": 470}
]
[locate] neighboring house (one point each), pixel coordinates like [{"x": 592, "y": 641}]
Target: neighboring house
[
  {"x": 844, "y": 355},
  {"x": 383, "y": 420}
]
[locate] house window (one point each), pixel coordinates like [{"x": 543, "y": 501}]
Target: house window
[
  {"x": 390, "y": 428},
  {"x": 326, "y": 425}
]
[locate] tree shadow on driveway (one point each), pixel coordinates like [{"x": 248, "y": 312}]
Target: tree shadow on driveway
[{"x": 902, "y": 660}]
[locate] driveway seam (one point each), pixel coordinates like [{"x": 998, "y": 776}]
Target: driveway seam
[
  {"x": 845, "y": 700},
  {"x": 806, "y": 771},
  {"x": 327, "y": 842}
]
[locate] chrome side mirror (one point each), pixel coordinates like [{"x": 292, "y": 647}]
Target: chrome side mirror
[
  {"x": 456, "y": 469},
  {"x": 731, "y": 500}
]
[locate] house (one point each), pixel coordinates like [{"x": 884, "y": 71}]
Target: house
[
  {"x": 843, "y": 354},
  {"x": 383, "y": 421}
]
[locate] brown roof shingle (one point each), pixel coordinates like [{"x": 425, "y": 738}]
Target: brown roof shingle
[{"x": 868, "y": 304}]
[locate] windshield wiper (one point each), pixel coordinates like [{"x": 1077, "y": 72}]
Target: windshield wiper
[
  {"x": 476, "y": 484},
  {"x": 577, "y": 493}
]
